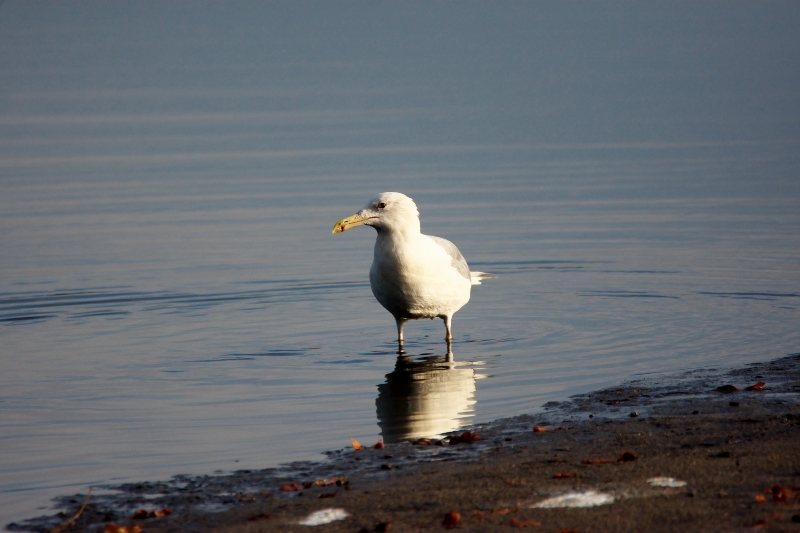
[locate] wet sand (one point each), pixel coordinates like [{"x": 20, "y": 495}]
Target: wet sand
[{"x": 737, "y": 452}]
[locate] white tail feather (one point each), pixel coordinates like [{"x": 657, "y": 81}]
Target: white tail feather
[{"x": 477, "y": 277}]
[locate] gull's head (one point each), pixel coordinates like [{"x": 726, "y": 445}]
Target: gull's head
[{"x": 389, "y": 211}]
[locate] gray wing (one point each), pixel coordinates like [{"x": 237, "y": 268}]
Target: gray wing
[{"x": 456, "y": 259}]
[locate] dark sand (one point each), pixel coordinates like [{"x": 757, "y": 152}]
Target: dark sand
[{"x": 728, "y": 455}]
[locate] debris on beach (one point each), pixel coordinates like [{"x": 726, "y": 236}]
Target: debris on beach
[
  {"x": 335, "y": 480},
  {"x": 114, "y": 528},
  {"x": 727, "y": 389},
  {"x": 524, "y": 523},
  {"x": 666, "y": 482},
  {"x": 597, "y": 461},
  {"x": 780, "y": 494},
  {"x": 505, "y": 510},
  {"x": 588, "y": 498},
  {"x": 626, "y": 457},
  {"x": 141, "y": 514},
  {"x": 324, "y": 516},
  {"x": 71, "y": 522},
  {"x": 564, "y": 475},
  {"x": 451, "y": 519},
  {"x": 427, "y": 442},
  {"x": 757, "y": 386},
  {"x": 467, "y": 437},
  {"x": 539, "y": 429},
  {"x": 357, "y": 446}
]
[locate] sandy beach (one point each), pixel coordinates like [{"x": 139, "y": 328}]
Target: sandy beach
[{"x": 677, "y": 453}]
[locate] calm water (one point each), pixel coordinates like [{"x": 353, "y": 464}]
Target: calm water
[{"x": 172, "y": 299}]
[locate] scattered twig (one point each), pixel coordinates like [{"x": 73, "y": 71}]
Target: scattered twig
[{"x": 71, "y": 522}]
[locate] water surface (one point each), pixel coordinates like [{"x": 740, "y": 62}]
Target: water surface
[{"x": 172, "y": 300}]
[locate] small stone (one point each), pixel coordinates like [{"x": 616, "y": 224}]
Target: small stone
[
  {"x": 634, "y": 414},
  {"x": 734, "y": 404}
]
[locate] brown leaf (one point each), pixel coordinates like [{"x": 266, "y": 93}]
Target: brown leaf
[
  {"x": 505, "y": 510},
  {"x": 290, "y": 487},
  {"x": 379, "y": 444},
  {"x": 451, "y": 519},
  {"x": 356, "y": 445},
  {"x": 478, "y": 514},
  {"x": 727, "y": 389},
  {"x": 626, "y": 457},
  {"x": 327, "y": 495},
  {"x": 757, "y": 386},
  {"x": 781, "y": 494},
  {"x": 564, "y": 475},
  {"x": 524, "y": 523},
  {"x": 141, "y": 514},
  {"x": 597, "y": 461},
  {"x": 539, "y": 429},
  {"x": 467, "y": 437},
  {"x": 760, "y": 498},
  {"x": 114, "y": 528}
]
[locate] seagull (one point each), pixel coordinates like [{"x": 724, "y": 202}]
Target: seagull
[{"x": 413, "y": 275}]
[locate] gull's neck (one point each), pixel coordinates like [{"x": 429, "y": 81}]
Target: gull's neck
[{"x": 406, "y": 232}]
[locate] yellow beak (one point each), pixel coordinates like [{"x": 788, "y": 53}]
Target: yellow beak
[{"x": 350, "y": 222}]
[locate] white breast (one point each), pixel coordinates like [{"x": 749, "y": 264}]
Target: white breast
[{"x": 415, "y": 277}]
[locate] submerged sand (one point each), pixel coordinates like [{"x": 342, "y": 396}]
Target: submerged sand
[{"x": 666, "y": 454}]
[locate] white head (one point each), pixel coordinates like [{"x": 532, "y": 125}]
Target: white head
[{"x": 389, "y": 211}]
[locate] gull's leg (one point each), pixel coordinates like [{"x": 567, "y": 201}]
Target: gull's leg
[
  {"x": 447, "y": 323},
  {"x": 400, "y": 323}
]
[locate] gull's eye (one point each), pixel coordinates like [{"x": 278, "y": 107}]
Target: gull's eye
[{"x": 381, "y": 205}]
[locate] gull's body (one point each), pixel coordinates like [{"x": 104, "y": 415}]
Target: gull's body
[{"x": 412, "y": 275}]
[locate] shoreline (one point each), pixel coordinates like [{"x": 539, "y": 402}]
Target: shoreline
[{"x": 728, "y": 448}]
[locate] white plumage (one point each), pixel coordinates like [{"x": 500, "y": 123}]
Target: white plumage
[{"x": 412, "y": 275}]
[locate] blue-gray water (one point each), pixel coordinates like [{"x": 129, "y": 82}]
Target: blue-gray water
[{"x": 172, "y": 299}]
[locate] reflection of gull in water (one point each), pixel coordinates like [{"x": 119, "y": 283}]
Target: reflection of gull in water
[{"x": 425, "y": 398}]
